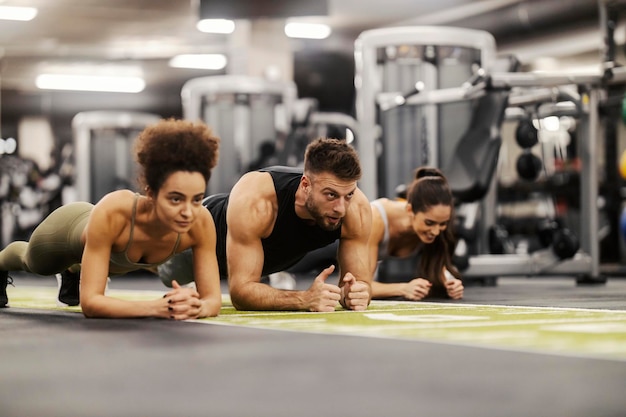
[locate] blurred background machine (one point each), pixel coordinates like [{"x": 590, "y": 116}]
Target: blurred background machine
[
  {"x": 246, "y": 112},
  {"x": 103, "y": 142}
]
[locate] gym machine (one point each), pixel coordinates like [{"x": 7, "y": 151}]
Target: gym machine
[
  {"x": 247, "y": 113},
  {"x": 584, "y": 265},
  {"x": 523, "y": 88},
  {"x": 103, "y": 142},
  {"x": 394, "y": 65},
  {"x": 308, "y": 123}
]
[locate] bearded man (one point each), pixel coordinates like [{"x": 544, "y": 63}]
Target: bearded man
[{"x": 274, "y": 216}]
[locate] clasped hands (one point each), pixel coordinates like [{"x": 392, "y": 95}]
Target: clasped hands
[
  {"x": 181, "y": 303},
  {"x": 324, "y": 297}
]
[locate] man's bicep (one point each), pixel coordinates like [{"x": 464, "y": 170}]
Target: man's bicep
[
  {"x": 250, "y": 217},
  {"x": 244, "y": 254},
  {"x": 245, "y": 259}
]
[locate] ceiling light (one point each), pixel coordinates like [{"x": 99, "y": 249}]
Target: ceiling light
[
  {"x": 199, "y": 61},
  {"x": 8, "y": 146},
  {"x": 17, "y": 13},
  {"x": 307, "y": 30},
  {"x": 90, "y": 83},
  {"x": 216, "y": 26}
]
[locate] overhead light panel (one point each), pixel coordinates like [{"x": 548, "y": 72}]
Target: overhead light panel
[
  {"x": 17, "y": 13},
  {"x": 216, "y": 26},
  {"x": 199, "y": 61},
  {"x": 112, "y": 84},
  {"x": 307, "y": 30}
]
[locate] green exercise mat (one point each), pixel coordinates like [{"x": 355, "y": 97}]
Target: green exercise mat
[{"x": 562, "y": 331}]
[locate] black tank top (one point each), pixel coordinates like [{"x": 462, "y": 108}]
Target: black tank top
[{"x": 291, "y": 238}]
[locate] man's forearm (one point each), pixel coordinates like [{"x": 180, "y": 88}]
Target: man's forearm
[{"x": 256, "y": 296}]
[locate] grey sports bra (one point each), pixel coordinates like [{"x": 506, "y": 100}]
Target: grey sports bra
[{"x": 383, "y": 246}]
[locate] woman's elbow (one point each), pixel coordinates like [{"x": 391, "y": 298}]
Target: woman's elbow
[
  {"x": 89, "y": 313},
  {"x": 88, "y": 308}
]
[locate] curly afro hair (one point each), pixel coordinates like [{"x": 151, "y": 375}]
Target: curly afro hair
[{"x": 175, "y": 145}]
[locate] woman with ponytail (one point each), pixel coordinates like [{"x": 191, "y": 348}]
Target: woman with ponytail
[{"x": 420, "y": 225}]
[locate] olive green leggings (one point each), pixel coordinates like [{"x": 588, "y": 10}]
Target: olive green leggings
[{"x": 54, "y": 245}]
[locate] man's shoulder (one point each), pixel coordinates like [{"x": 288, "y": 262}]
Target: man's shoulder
[
  {"x": 253, "y": 203},
  {"x": 284, "y": 179},
  {"x": 253, "y": 187}
]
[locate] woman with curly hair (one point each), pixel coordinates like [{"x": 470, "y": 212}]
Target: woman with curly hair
[
  {"x": 420, "y": 225},
  {"x": 127, "y": 231}
]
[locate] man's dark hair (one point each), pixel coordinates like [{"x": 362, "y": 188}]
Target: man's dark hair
[{"x": 333, "y": 156}]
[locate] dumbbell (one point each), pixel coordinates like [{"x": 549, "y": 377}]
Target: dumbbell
[
  {"x": 526, "y": 134},
  {"x": 563, "y": 242},
  {"x": 528, "y": 165},
  {"x": 499, "y": 241}
]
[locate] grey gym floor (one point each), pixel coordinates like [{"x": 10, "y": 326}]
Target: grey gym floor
[{"x": 61, "y": 364}]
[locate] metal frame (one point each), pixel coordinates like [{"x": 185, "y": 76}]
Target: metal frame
[
  {"x": 235, "y": 150},
  {"x": 332, "y": 118},
  {"x": 82, "y": 125},
  {"x": 195, "y": 89},
  {"x": 368, "y": 85}
]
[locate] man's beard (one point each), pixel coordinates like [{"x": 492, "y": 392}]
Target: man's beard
[{"x": 319, "y": 218}]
